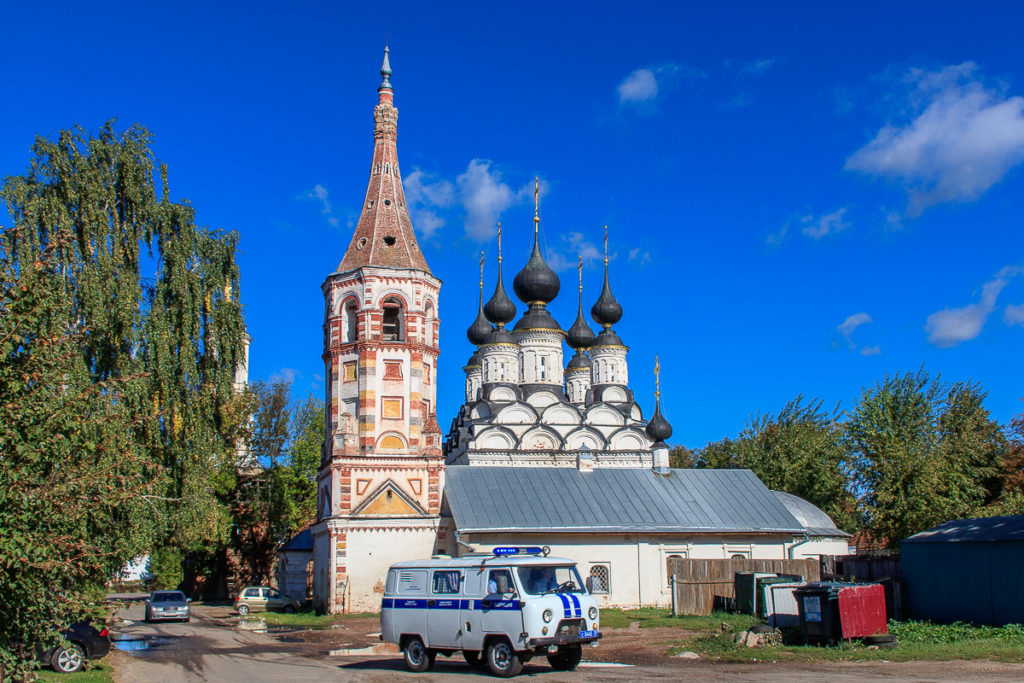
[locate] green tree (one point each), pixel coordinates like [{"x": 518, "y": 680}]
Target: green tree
[
  {"x": 155, "y": 296},
  {"x": 799, "y": 451},
  {"x": 922, "y": 453},
  {"x": 307, "y": 438},
  {"x": 77, "y": 487}
]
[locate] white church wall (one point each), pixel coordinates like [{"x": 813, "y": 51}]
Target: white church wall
[{"x": 372, "y": 549}]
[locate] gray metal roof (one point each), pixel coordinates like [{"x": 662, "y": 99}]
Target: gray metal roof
[
  {"x": 813, "y": 518},
  {"x": 565, "y": 500},
  {"x": 987, "y": 529}
]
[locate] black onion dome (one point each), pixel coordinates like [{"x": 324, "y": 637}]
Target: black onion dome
[
  {"x": 580, "y": 360},
  {"x": 608, "y": 338},
  {"x": 606, "y": 311},
  {"x": 500, "y": 309},
  {"x": 537, "y": 317},
  {"x": 580, "y": 336},
  {"x": 658, "y": 429},
  {"x": 474, "y": 360},
  {"x": 536, "y": 282},
  {"x": 478, "y": 331}
]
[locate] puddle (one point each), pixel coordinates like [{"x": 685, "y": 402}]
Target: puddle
[
  {"x": 379, "y": 649},
  {"x": 254, "y": 625},
  {"x": 136, "y": 643}
]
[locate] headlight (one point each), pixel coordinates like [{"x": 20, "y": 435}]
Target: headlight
[
  {"x": 593, "y": 613},
  {"x": 547, "y": 616}
]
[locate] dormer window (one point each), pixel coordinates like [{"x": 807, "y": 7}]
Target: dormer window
[{"x": 392, "y": 327}]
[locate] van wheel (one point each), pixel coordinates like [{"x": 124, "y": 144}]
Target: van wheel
[
  {"x": 567, "y": 658},
  {"x": 417, "y": 656},
  {"x": 502, "y": 659}
]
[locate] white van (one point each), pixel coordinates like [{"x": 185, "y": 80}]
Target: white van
[{"x": 500, "y": 609}]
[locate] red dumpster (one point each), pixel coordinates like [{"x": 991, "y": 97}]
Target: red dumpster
[{"x": 862, "y": 611}]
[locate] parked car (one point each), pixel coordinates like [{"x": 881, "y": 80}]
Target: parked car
[
  {"x": 85, "y": 642},
  {"x": 261, "y": 598},
  {"x": 164, "y": 605}
]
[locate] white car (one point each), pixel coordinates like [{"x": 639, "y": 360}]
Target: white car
[{"x": 502, "y": 609}]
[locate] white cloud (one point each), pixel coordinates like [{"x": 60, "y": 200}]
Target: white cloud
[
  {"x": 639, "y": 86},
  {"x": 1014, "y": 315},
  {"x": 777, "y": 237},
  {"x": 320, "y": 194},
  {"x": 951, "y": 326},
  {"x": 423, "y": 194},
  {"x": 484, "y": 196},
  {"x": 963, "y": 138},
  {"x": 573, "y": 247},
  {"x": 639, "y": 256},
  {"x": 849, "y": 326},
  {"x": 756, "y": 67},
  {"x": 643, "y": 85},
  {"x": 287, "y": 374},
  {"x": 829, "y": 224}
]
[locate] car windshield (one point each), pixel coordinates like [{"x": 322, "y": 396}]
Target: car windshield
[
  {"x": 168, "y": 596},
  {"x": 553, "y": 579}
]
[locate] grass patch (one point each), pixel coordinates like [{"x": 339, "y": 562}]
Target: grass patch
[
  {"x": 920, "y": 641},
  {"x": 650, "y": 617},
  {"x": 100, "y": 673},
  {"x": 307, "y": 618}
]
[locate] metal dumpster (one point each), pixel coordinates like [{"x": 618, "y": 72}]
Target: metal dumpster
[
  {"x": 763, "y": 592},
  {"x": 745, "y": 589},
  {"x": 822, "y": 612},
  {"x": 781, "y": 605}
]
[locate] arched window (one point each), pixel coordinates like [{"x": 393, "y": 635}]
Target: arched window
[
  {"x": 428, "y": 324},
  {"x": 351, "y": 322},
  {"x": 393, "y": 326}
]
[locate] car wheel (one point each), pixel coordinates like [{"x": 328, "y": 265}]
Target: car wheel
[
  {"x": 243, "y": 609},
  {"x": 567, "y": 658},
  {"x": 502, "y": 659},
  {"x": 68, "y": 660},
  {"x": 417, "y": 657},
  {"x": 288, "y": 609}
]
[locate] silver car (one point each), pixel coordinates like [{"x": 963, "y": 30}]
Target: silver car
[{"x": 164, "y": 605}]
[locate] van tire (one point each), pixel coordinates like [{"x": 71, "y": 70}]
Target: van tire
[
  {"x": 567, "y": 658},
  {"x": 474, "y": 658},
  {"x": 502, "y": 658},
  {"x": 417, "y": 657}
]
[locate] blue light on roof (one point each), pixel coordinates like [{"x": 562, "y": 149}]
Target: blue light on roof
[{"x": 518, "y": 550}]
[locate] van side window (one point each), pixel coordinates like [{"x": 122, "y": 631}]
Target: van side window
[
  {"x": 492, "y": 580},
  {"x": 446, "y": 582},
  {"x": 389, "y": 587},
  {"x": 412, "y": 581}
]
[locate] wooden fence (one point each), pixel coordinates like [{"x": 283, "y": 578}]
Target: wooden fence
[
  {"x": 704, "y": 586},
  {"x": 883, "y": 568}
]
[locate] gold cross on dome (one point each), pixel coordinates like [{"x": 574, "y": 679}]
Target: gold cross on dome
[
  {"x": 606, "y": 245},
  {"x": 579, "y": 269},
  {"x": 657, "y": 377},
  {"x": 499, "y": 242},
  {"x": 482, "y": 259}
]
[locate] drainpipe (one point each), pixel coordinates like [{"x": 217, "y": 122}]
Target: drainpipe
[
  {"x": 458, "y": 542},
  {"x": 807, "y": 539}
]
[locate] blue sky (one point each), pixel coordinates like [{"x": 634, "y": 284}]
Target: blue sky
[{"x": 800, "y": 199}]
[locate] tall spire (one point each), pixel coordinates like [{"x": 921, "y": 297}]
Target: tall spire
[
  {"x": 384, "y": 235},
  {"x": 500, "y": 309},
  {"x": 478, "y": 331},
  {"x": 580, "y": 336},
  {"x": 606, "y": 311},
  {"x": 536, "y": 283}
]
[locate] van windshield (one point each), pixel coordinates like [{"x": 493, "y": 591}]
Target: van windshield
[{"x": 554, "y": 579}]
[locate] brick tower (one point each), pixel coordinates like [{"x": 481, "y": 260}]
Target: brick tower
[{"x": 381, "y": 474}]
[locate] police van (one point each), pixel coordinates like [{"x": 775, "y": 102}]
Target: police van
[{"x": 500, "y": 610}]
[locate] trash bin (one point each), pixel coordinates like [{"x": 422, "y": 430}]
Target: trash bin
[
  {"x": 819, "y": 611},
  {"x": 762, "y": 587},
  {"x": 744, "y": 586}
]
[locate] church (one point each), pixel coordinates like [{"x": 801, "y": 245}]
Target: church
[{"x": 541, "y": 452}]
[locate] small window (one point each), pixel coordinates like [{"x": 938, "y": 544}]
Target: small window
[
  {"x": 737, "y": 556},
  {"x": 426, "y": 374},
  {"x": 362, "y": 240},
  {"x": 252, "y": 593},
  {"x": 351, "y": 322},
  {"x": 446, "y": 582},
  {"x": 412, "y": 581},
  {"x": 392, "y": 369},
  {"x": 389, "y": 240},
  {"x": 493, "y": 580},
  {"x": 392, "y": 322},
  {"x": 543, "y": 367},
  {"x": 349, "y": 372},
  {"x": 599, "y": 581},
  {"x": 389, "y": 587}
]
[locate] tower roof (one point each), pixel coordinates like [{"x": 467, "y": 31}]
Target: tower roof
[
  {"x": 536, "y": 282},
  {"x": 580, "y": 336},
  {"x": 606, "y": 311},
  {"x": 478, "y": 331},
  {"x": 384, "y": 235},
  {"x": 500, "y": 310}
]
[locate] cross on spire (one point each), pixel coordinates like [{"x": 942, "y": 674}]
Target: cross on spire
[
  {"x": 482, "y": 259},
  {"x": 657, "y": 378},
  {"x": 536, "y": 203}
]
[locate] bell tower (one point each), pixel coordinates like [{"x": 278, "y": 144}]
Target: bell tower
[{"x": 381, "y": 473}]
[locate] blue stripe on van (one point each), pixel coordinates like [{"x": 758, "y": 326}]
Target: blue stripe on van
[
  {"x": 576, "y": 605},
  {"x": 449, "y": 604},
  {"x": 565, "y": 605}
]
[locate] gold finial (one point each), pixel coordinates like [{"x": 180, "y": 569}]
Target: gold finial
[
  {"x": 499, "y": 243},
  {"x": 606, "y": 245},
  {"x": 657, "y": 378},
  {"x": 579, "y": 269},
  {"x": 482, "y": 259},
  {"x": 536, "y": 203}
]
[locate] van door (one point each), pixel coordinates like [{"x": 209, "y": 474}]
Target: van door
[
  {"x": 410, "y": 602},
  {"x": 500, "y": 609},
  {"x": 472, "y": 616},
  {"x": 443, "y": 609}
]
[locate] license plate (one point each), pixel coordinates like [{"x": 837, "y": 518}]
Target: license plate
[{"x": 588, "y": 634}]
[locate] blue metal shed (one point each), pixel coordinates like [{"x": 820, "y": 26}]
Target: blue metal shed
[{"x": 966, "y": 570}]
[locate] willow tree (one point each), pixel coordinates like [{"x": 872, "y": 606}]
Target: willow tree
[{"x": 156, "y": 297}]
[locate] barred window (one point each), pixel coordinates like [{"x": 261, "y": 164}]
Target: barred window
[{"x": 599, "y": 581}]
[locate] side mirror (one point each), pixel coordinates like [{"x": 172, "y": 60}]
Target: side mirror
[
  {"x": 188, "y": 599},
  {"x": 501, "y": 581},
  {"x": 590, "y": 584}
]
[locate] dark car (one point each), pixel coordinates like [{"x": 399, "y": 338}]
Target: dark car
[
  {"x": 163, "y": 605},
  {"x": 85, "y": 642}
]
